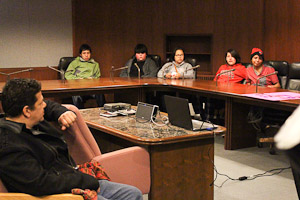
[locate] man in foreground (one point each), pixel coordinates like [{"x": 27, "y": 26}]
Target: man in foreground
[{"x": 34, "y": 158}]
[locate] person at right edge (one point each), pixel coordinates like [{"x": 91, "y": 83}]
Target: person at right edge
[{"x": 288, "y": 139}]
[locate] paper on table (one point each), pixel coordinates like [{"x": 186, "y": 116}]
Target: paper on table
[{"x": 275, "y": 96}]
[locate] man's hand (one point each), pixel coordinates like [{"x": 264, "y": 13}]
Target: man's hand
[{"x": 66, "y": 119}]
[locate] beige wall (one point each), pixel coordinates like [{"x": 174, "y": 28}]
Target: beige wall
[{"x": 34, "y": 33}]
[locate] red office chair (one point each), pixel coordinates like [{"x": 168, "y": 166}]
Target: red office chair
[{"x": 135, "y": 161}]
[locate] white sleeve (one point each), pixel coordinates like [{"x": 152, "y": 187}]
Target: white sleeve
[{"x": 289, "y": 134}]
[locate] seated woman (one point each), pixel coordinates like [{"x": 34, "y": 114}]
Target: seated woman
[
  {"x": 233, "y": 61},
  {"x": 214, "y": 108},
  {"x": 177, "y": 68},
  {"x": 258, "y": 69},
  {"x": 265, "y": 120}
]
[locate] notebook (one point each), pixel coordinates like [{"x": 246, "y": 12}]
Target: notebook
[{"x": 179, "y": 115}]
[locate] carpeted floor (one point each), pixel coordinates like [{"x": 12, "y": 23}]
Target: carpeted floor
[{"x": 250, "y": 162}]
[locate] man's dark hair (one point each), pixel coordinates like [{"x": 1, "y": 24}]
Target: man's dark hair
[
  {"x": 140, "y": 48},
  {"x": 18, "y": 93},
  {"x": 234, "y": 54},
  {"x": 84, "y": 47}
]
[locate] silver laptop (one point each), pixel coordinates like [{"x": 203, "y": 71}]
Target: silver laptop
[{"x": 179, "y": 115}]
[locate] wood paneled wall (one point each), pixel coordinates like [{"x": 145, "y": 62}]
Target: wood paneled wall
[
  {"x": 282, "y": 30},
  {"x": 114, "y": 27}
]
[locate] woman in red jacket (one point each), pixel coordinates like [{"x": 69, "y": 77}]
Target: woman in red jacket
[
  {"x": 258, "y": 70},
  {"x": 233, "y": 61}
]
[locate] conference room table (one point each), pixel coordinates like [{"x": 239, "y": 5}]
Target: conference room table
[
  {"x": 239, "y": 133},
  {"x": 181, "y": 161}
]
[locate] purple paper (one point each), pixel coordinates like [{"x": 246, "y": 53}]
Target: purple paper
[{"x": 275, "y": 96}]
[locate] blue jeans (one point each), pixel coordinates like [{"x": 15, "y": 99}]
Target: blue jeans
[{"x": 112, "y": 190}]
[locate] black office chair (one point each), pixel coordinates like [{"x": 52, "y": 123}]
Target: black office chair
[
  {"x": 267, "y": 121},
  {"x": 192, "y": 61},
  {"x": 246, "y": 64},
  {"x": 157, "y": 60},
  {"x": 282, "y": 67},
  {"x": 63, "y": 66},
  {"x": 64, "y": 63},
  {"x": 293, "y": 82}
]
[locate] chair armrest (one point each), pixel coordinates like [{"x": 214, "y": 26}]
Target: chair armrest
[
  {"x": 22, "y": 196},
  {"x": 129, "y": 166}
]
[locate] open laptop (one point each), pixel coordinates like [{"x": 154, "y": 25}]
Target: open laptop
[{"x": 179, "y": 115}]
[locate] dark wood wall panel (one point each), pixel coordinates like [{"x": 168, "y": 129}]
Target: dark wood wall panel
[
  {"x": 114, "y": 27},
  {"x": 238, "y": 25},
  {"x": 282, "y": 30}
]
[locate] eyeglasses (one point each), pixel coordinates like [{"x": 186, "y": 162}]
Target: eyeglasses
[{"x": 179, "y": 55}]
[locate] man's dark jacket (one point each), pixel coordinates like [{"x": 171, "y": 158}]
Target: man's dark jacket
[{"x": 37, "y": 161}]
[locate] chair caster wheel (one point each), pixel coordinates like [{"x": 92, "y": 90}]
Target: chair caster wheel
[
  {"x": 272, "y": 151},
  {"x": 260, "y": 145}
]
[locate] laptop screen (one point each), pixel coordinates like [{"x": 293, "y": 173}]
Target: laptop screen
[{"x": 178, "y": 112}]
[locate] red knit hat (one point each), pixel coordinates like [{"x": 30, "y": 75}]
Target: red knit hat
[{"x": 257, "y": 51}]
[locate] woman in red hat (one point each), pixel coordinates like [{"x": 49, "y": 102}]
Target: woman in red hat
[
  {"x": 258, "y": 69},
  {"x": 233, "y": 61}
]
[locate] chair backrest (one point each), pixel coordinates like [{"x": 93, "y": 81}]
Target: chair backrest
[
  {"x": 157, "y": 60},
  {"x": 282, "y": 67},
  {"x": 2, "y": 188},
  {"x": 246, "y": 64},
  {"x": 293, "y": 82},
  {"x": 82, "y": 145},
  {"x": 64, "y": 63},
  {"x": 135, "y": 161},
  {"x": 192, "y": 61}
]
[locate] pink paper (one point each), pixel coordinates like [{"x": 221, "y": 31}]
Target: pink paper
[{"x": 275, "y": 96}]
